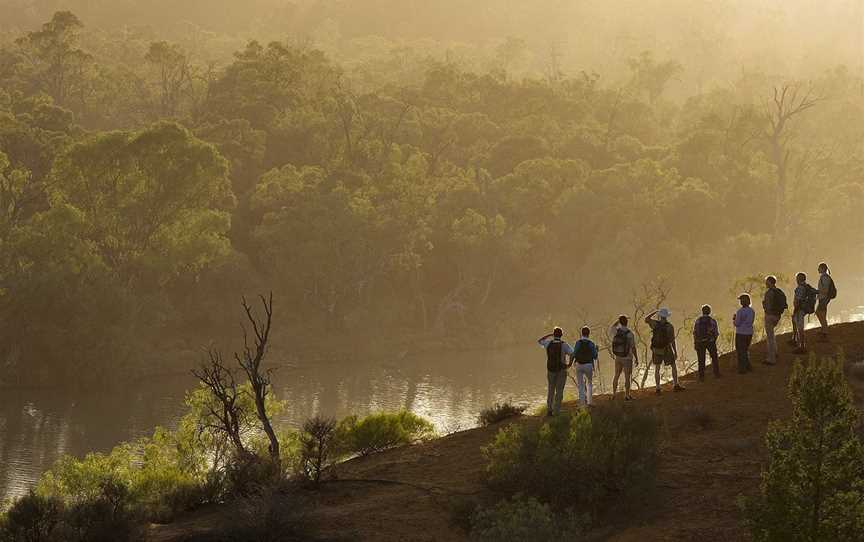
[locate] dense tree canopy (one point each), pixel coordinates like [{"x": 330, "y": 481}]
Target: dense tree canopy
[{"x": 145, "y": 181}]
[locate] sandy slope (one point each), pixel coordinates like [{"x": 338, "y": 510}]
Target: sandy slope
[{"x": 705, "y": 463}]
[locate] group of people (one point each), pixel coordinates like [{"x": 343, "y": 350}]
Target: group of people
[{"x": 584, "y": 353}]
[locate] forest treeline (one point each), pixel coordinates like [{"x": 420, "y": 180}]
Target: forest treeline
[{"x": 144, "y": 185}]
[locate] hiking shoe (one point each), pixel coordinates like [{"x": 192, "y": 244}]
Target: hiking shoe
[
  {"x": 628, "y": 398},
  {"x": 678, "y": 387},
  {"x": 657, "y": 391}
]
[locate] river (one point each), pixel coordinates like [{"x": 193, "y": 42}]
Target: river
[{"x": 38, "y": 426}]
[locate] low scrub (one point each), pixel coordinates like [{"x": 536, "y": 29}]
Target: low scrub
[
  {"x": 525, "y": 519},
  {"x": 499, "y": 412},
  {"x": 268, "y": 517},
  {"x": 813, "y": 486},
  {"x": 319, "y": 447},
  {"x": 40, "y": 518},
  {"x": 377, "y": 432},
  {"x": 32, "y": 517},
  {"x": 582, "y": 460}
]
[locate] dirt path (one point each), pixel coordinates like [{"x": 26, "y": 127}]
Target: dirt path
[{"x": 711, "y": 451}]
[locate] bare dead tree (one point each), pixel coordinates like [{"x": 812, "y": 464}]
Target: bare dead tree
[
  {"x": 250, "y": 361},
  {"x": 226, "y": 417},
  {"x": 649, "y": 297},
  {"x": 787, "y": 101}
]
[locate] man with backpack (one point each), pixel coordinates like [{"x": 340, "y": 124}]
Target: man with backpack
[
  {"x": 774, "y": 303},
  {"x": 585, "y": 358},
  {"x": 664, "y": 350},
  {"x": 803, "y": 306},
  {"x": 557, "y": 352},
  {"x": 625, "y": 355},
  {"x": 827, "y": 292},
  {"x": 743, "y": 321},
  {"x": 705, "y": 334}
]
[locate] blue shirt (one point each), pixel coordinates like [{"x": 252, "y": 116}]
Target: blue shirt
[
  {"x": 591, "y": 345},
  {"x": 744, "y": 321}
]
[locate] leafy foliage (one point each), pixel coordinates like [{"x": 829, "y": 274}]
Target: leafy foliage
[
  {"x": 32, "y": 518},
  {"x": 378, "y": 188},
  {"x": 378, "y": 432},
  {"x": 499, "y": 412},
  {"x": 813, "y": 486},
  {"x": 525, "y": 519},
  {"x": 546, "y": 462},
  {"x": 319, "y": 447}
]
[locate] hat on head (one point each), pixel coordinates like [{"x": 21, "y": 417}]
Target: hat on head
[{"x": 664, "y": 313}]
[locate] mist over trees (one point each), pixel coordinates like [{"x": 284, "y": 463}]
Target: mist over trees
[{"x": 429, "y": 179}]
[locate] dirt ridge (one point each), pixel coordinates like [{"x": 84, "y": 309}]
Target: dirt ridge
[{"x": 711, "y": 451}]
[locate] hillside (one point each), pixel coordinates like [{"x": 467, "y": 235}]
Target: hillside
[{"x": 711, "y": 452}]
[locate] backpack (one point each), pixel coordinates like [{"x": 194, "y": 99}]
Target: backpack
[
  {"x": 808, "y": 304},
  {"x": 661, "y": 335},
  {"x": 582, "y": 352},
  {"x": 621, "y": 343},
  {"x": 832, "y": 289},
  {"x": 553, "y": 356},
  {"x": 702, "y": 332}
]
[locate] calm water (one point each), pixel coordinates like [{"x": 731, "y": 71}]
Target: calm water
[{"x": 37, "y": 426}]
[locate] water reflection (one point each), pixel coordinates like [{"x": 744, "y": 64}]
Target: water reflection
[{"x": 37, "y": 426}]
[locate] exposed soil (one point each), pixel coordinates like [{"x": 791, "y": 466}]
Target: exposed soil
[{"x": 711, "y": 452}]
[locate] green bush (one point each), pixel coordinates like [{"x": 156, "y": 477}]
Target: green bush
[
  {"x": 156, "y": 478},
  {"x": 268, "y": 517},
  {"x": 319, "y": 447},
  {"x": 524, "y": 519},
  {"x": 813, "y": 486},
  {"x": 499, "y": 412},
  {"x": 103, "y": 518},
  {"x": 108, "y": 518},
  {"x": 582, "y": 459},
  {"x": 381, "y": 431},
  {"x": 251, "y": 475},
  {"x": 32, "y": 518}
]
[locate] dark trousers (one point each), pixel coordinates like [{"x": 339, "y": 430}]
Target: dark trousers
[
  {"x": 742, "y": 347},
  {"x": 709, "y": 347}
]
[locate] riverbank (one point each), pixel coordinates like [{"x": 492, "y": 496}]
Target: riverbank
[{"x": 711, "y": 452}]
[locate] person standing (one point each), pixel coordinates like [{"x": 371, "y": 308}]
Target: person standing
[
  {"x": 803, "y": 305},
  {"x": 664, "y": 349},
  {"x": 705, "y": 334},
  {"x": 585, "y": 357},
  {"x": 827, "y": 292},
  {"x": 774, "y": 303},
  {"x": 556, "y": 368},
  {"x": 743, "y": 321},
  {"x": 625, "y": 354}
]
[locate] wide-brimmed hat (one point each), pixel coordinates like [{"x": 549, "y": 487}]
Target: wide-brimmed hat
[{"x": 664, "y": 313}]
